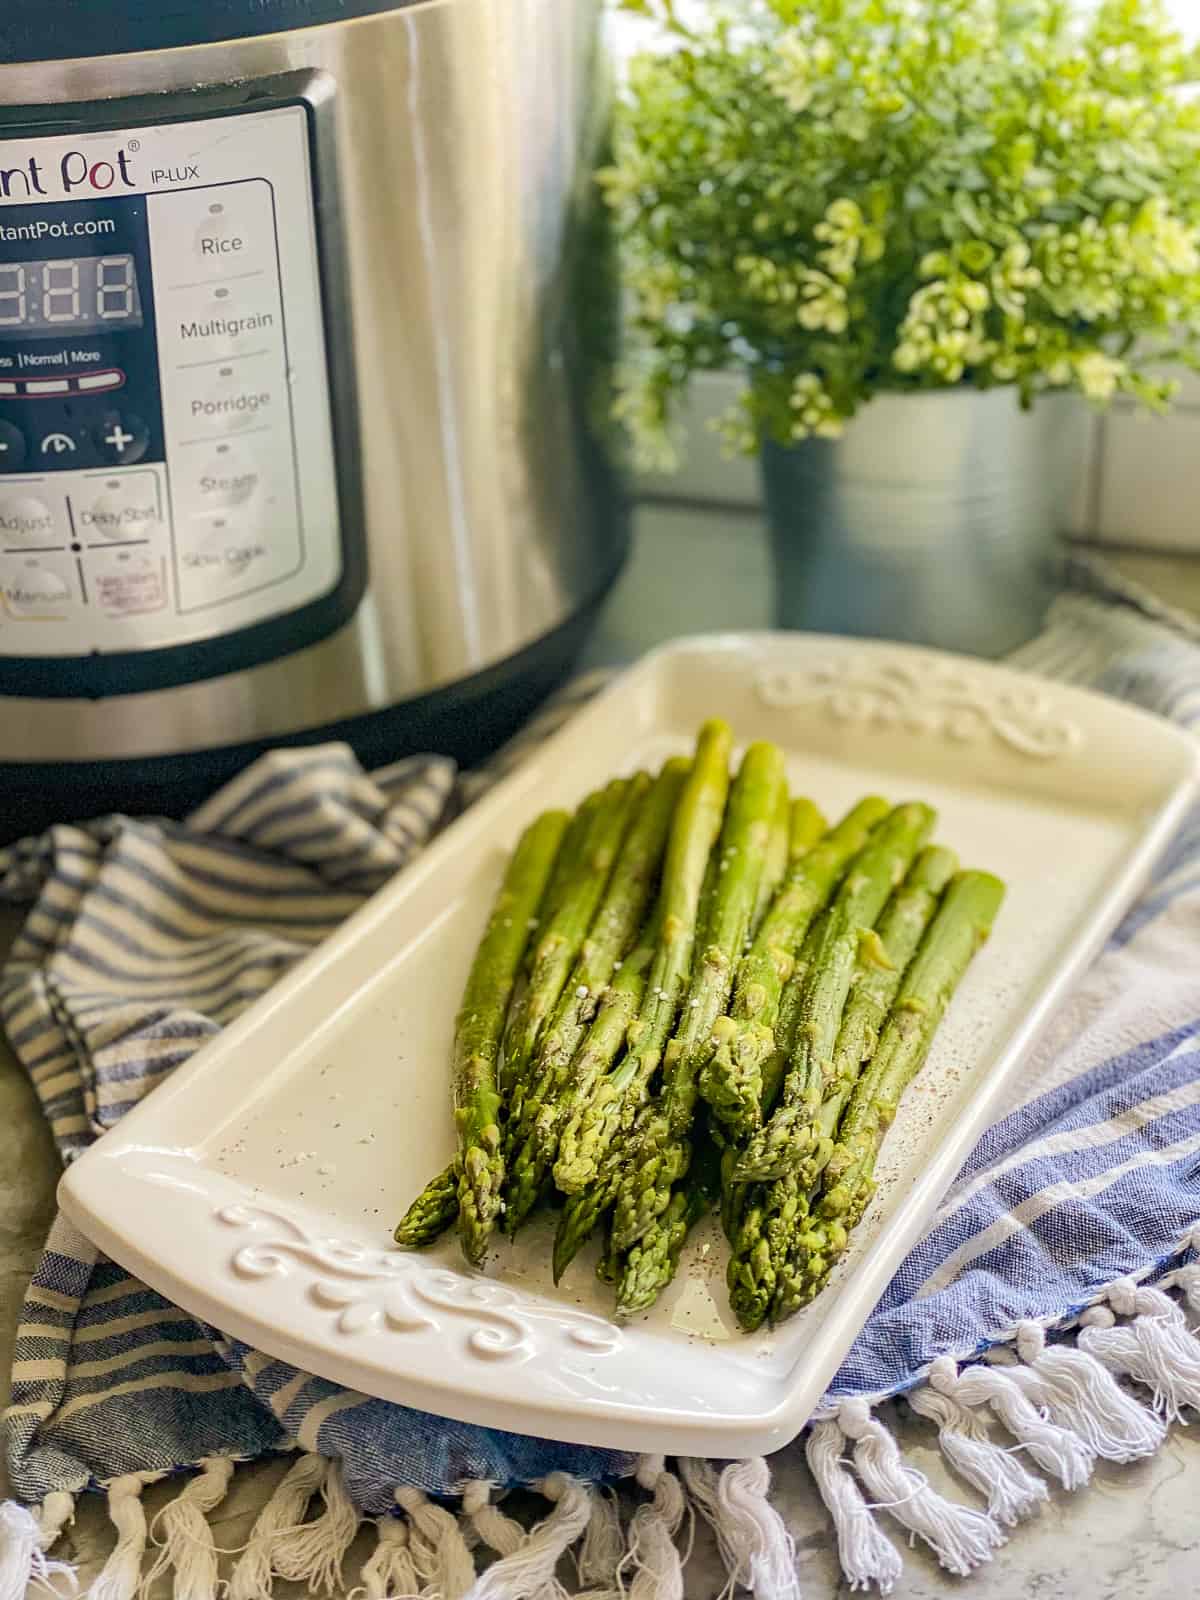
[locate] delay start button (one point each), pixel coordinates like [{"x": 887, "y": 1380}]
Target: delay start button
[{"x": 125, "y": 508}]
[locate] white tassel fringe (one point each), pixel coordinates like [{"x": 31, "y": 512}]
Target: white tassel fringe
[
  {"x": 867, "y": 1556},
  {"x": 1063, "y": 1455},
  {"x": 757, "y": 1549},
  {"x": 313, "y": 1552},
  {"x": 1081, "y": 1395},
  {"x": 528, "y": 1569},
  {"x": 254, "y": 1571},
  {"x": 603, "y": 1543},
  {"x": 388, "y": 1573},
  {"x": 657, "y": 1569},
  {"x": 439, "y": 1551},
  {"x": 962, "y": 1539},
  {"x": 188, "y": 1544},
  {"x": 120, "y": 1576},
  {"x": 1012, "y": 1492},
  {"x": 25, "y": 1536},
  {"x": 1155, "y": 1347}
]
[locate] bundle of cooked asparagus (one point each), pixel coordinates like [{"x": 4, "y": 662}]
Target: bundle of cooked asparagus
[{"x": 694, "y": 994}]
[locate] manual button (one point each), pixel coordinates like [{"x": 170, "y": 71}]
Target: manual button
[{"x": 35, "y": 589}]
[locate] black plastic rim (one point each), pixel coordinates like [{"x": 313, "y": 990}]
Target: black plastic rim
[{"x": 60, "y": 30}]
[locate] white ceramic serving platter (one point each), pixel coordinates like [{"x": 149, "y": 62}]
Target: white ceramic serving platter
[{"x": 258, "y": 1187}]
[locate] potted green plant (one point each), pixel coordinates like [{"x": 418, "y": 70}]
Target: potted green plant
[{"x": 919, "y": 227}]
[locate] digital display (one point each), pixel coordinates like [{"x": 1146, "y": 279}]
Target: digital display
[{"x": 71, "y": 294}]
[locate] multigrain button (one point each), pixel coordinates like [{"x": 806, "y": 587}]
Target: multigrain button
[{"x": 26, "y": 520}]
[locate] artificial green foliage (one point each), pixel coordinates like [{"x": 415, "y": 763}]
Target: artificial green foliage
[{"x": 846, "y": 196}]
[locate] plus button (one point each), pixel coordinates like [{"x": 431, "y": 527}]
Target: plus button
[{"x": 121, "y": 437}]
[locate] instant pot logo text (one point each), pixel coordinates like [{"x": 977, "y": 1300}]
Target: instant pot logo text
[{"x": 75, "y": 174}]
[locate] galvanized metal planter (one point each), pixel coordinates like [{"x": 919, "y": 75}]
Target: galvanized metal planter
[{"x": 933, "y": 519}]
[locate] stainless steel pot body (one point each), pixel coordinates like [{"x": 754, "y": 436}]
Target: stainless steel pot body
[
  {"x": 467, "y": 302},
  {"x": 933, "y": 519}
]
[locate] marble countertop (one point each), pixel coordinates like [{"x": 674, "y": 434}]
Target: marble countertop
[{"x": 1134, "y": 1534}]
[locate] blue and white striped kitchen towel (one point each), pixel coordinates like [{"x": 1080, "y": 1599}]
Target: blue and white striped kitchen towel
[{"x": 1076, "y": 1217}]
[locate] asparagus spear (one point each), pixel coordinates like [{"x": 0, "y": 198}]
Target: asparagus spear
[
  {"x": 584, "y": 1209},
  {"x": 731, "y": 1080},
  {"x": 961, "y": 926},
  {"x": 877, "y": 981},
  {"x": 432, "y": 1212},
  {"x": 479, "y": 1026},
  {"x": 877, "y": 869},
  {"x": 569, "y": 856},
  {"x": 566, "y": 863},
  {"x": 765, "y": 1227},
  {"x": 697, "y": 821},
  {"x": 662, "y": 1151},
  {"x": 654, "y": 1259},
  {"x": 542, "y": 1104},
  {"x": 776, "y": 863},
  {"x": 601, "y": 1046},
  {"x": 561, "y": 936},
  {"x": 763, "y": 1218}
]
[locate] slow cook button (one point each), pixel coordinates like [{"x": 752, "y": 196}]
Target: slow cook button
[
  {"x": 35, "y": 589},
  {"x": 25, "y": 520},
  {"x": 226, "y": 564}
]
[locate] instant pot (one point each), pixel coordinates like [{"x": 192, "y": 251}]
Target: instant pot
[{"x": 306, "y": 315}]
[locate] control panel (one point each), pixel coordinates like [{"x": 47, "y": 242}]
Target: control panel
[{"x": 166, "y": 458}]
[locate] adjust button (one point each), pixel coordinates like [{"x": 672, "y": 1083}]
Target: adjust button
[
  {"x": 121, "y": 438},
  {"x": 26, "y": 521},
  {"x": 12, "y": 448}
]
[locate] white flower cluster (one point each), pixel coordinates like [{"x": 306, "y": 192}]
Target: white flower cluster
[
  {"x": 943, "y": 329},
  {"x": 797, "y": 66},
  {"x": 813, "y": 408}
]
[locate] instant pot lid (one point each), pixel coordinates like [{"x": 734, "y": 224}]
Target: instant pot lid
[{"x": 60, "y": 30}]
